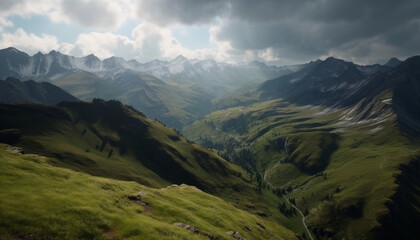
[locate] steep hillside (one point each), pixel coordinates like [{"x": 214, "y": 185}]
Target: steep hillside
[
  {"x": 86, "y": 86},
  {"x": 13, "y": 91},
  {"x": 320, "y": 82},
  {"x": 336, "y": 166},
  {"x": 41, "y": 201},
  {"x": 339, "y": 84},
  {"x": 404, "y": 206},
  {"x": 174, "y": 92},
  {"x": 172, "y": 104},
  {"x": 111, "y": 140},
  {"x": 338, "y": 160},
  {"x": 330, "y": 82}
]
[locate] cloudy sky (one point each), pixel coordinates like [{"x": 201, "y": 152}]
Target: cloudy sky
[{"x": 275, "y": 31}]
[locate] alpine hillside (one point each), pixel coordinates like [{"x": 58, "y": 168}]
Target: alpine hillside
[
  {"x": 175, "y": 92},
  {"x": 337, "y": 142},
  {"x": 13, "y": 91}
]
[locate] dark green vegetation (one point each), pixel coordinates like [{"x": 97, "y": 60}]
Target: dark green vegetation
[
  {"x": 13, "y": 91},
  {"x": 341, "y": 173},
  {"x": 87, "y": 85},
  {"x": 404, "y": 207},
  {"x": 41, "y": 201},
  {"x": 310, "y": 152},
  {"x": 114, "y": 141},
  {"x": 175, "y": 92},
  {"x": 111, "y": 140},
  {"x": 349, "y": 162},
  {"x": 171, "y": 103},
  {"x": 328, "y": 151}
]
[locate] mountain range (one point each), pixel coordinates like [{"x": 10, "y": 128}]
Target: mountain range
[
  {"x": 339, "y": 139},
  {"x": 322, "y": 150},
  {"x": 19, "y": 64},
  {"x": 175, "y": 92}
]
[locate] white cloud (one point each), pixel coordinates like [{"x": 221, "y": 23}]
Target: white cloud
[
  {"x": 4, "y": 23},
  {"x": 158, "y": 42},
  {"x": 66, "y": 48},
  {"x": 272, "y": 30},
  {"x": 26, "y": 8},
  {"x": 29, "y": 43},
  {"x": 147, "y": 42},
  {"x": 104, "y": 45},
  {"x": 269, "y": 55},
  {"x": 102, "y": 14}
]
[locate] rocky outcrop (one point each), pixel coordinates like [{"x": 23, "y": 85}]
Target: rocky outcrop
[
  {"x": 236, "y": 235},
  {"x": 195, "y": 230}
]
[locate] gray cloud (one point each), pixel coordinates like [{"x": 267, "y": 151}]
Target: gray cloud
[
  {"x": 93, "y": 13},
  {"x": 167, "y": 12},
  {"x": 101, "y": 14},
  {"x": 8, "y": 4},
  {"x": 303, "y": 30}
]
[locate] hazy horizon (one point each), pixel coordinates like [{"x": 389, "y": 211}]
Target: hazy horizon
[{"x": 275, "y": 32}]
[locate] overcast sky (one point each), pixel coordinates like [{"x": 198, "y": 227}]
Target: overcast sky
[{"x": 275, "y": 31}]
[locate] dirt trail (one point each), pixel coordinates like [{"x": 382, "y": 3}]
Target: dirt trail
[{"x": 295, "y": 207}]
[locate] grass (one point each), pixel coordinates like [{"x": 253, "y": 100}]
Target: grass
[
  {"x": 311, "y": 152},
  {"x": 173, "y": 104},
  {"x": 80, "y": 137},
  {"x": 110, "y": 140},
  {"x": 41, "y": 201},
  {"x": 86, "y": 86},
  {"x": 345, "y": 198}
]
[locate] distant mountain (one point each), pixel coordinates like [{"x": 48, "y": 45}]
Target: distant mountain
[
  {"x": 339, "y": 139},
  {"x": 318, "y": 82},
  {"x": 332, "y": 82},
  {"x": 402, "y": 85},
  {"x": 50, "y": 66},
  {"x": 14, "y": 91},
  {"x": 175, "y": 92},
  {"x": 338, "y": 83},
  {"x": 393, "y": 62}
]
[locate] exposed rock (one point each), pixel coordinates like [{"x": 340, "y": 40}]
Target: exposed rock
[
  {"x": 15, "y": 149},
  {"x": 188, "y": 227},
  {"x": 195, "y": 230},
  {"x": 236, "y": 235},
  {"x": 182, "y": 186},
  {"x": 137, "y": 198}
]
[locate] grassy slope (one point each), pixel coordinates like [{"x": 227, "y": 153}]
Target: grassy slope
[
  {"x": 41, "y": 201},
  {"x": 171, "y": 103},
  {"x": 348, "y": 201},
  {"x": 86, "y": 86},
  {"x": 81, "y": 136},
  {"x": 143, "y": 150},
  {"x": 180, "y": 105}
]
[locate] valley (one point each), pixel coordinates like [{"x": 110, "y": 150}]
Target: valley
[
  {"x": 65, "y": 204},
  {"x": 335, "y": 159},
  {"x": 322, "y": 150},
  {"x": 168, "y": 90}
]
